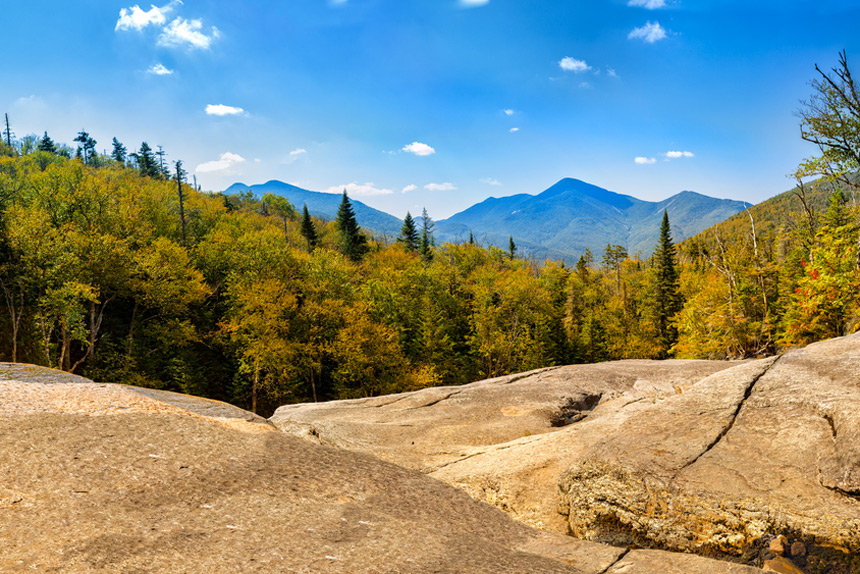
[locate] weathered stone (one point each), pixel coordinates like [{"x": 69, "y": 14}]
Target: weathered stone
[
  {"x": 782, "y": 566},
  {"x": 798, "y": 548},
  {"x": 777, "y": 545},
  {"x": 105, "y": 478}
]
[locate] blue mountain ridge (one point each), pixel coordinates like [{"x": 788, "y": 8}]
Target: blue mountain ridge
[{"x": 559, "y": 223}]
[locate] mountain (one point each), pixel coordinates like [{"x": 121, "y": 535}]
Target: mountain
[
  {"x": 573, "y": 215},
  {"x": 324, "y": 205}
]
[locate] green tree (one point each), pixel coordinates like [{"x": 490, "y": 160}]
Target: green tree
[
  {"x": 46, "y": 144},
  {"x": 281, "y": 207},
  {"x": 512, "y": 247},
  {"x": 88, "y": 146},
  {"x": 179, "y": 177},
  {"x": 408, "y": 234},
  {"x": 667, "y": 296},
  {"x": 427, "y": 240},
  {"x": 119, "y": 153},
  {"x": 353, "y": 243},
  {"x": 309, "y": 232},
  {"x": 145, "y": 160}
]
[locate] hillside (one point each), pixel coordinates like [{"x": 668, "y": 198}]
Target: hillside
[
  {"x": 324, "y": 205},
  {"x": 573, "y": 215}
]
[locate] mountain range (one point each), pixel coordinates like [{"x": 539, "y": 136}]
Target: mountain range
[{"x": 559, "y": 223}]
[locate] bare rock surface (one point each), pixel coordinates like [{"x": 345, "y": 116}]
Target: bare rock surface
[
  {"x": 106, "y": 478},
  {"x": 709, "y": 458}
]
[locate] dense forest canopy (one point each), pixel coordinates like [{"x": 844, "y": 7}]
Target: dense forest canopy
[{"x": 114, "y": 267}]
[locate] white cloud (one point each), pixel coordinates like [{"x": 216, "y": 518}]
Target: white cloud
[
  {"x": 491, "y": 181},
  {"x": 645, "y": 160},
  {"x": 585, "y": 85},
  {"x": 222, "y": 110},
  {"x": 447, "y": 186},
  {"x": 159, "y": 70},
  {"x": 357, "y": 189},
  {"x": 509, "y": 112},
  {"x": 410, "y": 187},
  {"x": 677, "y": 154},
  {"x": 514, "y": 130},
  {"x": 294, "y": 155},
  {"x": 187, "y": 33},
  {"x": 651, "y": 32},
  {"x": 135, "y": 18},
  {"x": 569, "y": 64},
  {"x": 473, "y": 3},
  {"x": 611, "y": 73},
  {"x": 419, "y": 148},
  {"x": 298, "y": 152},
  {"x": 225, "y": 163},
  {"x": 649, "y": 4}
]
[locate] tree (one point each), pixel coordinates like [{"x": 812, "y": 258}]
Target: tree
[
  {"x": 512, "y": 247},
  {"x": 7, "y": 132},
  {"x": 145, "y": 160},
  {"x": 309, "y": 232},
  {"x": 179, "y": 177},
  {"x": 46, "y": 144},
  {"x": 162, "y": 168},
  {"x": 667, "y": 297},
  {"x": 427, "y": 240},
  {"x": 352, "y": 240},
  {"x": 119, "y": 152},
  {"x": 831, "y": 120},
  {"x": 281, "y": 207},
  {"x": 408, "y": 234},
  {"x": 88, "y": 146}
]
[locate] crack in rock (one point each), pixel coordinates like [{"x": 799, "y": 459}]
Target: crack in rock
[
  {"x": 437, "y": 401},
  {"x": 617, "y": 560},
  {"x": 728, "y": 427}
]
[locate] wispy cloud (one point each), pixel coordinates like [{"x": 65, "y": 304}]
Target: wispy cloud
[
  {"x": 509, "y": 112},
  {"x": 490, "y": 181},
  {"x": 135, "y": 18},
  {"x": 447, "y": 186},
  {"x": 408, "y": 188},
  {"x": 473, "y": 3},
  {"x": 222, "y": 110},
  {"x": 648, "y": 4},
  {"x": 159, "y": 70},
  {"x": 225, "y": 163},
  {"x": 359, "y": 189},
  {"x": 514, "y": 130},
  {"x": 187, "y": 33},
  {"x": 677, "y": 154},
  {"x": 651, "y": 32},
  {"x": 645, "y": 160},
  {"x": 294, "y": 155},
  {"x": 611, "y": 73},
  {"x": 419, "y": 148},
  {"x": 569, "y": 64}
]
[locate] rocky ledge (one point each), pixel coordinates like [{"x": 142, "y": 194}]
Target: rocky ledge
[{"x": 714, "y": 458}]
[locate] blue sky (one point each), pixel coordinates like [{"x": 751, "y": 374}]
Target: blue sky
[{"x": 436, "y": 103}]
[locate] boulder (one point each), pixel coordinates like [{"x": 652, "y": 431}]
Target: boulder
[{"x": 106, "y": 478}]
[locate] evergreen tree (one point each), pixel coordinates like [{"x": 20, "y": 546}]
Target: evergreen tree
[
  {"x": 309, "y": 232},
  {"x": 408, "y": 234},
  {"x": 119, "y": 152},
  {"x": 46, "y": 144},
  {"x": 512, "y": 247},
  {"x": 427, "y": 240},
  {"x": 7, "y": 132},
  {"x": 145, "y": 161},
  {"x": 163, "y": 168},
  {"x": 353, "y": 241},
  {"x": 88, "y": 146},
  {"x": 667, "y": 296},
  {"x": 179, "y": 178},
  {"x": 471, "y": 238}
]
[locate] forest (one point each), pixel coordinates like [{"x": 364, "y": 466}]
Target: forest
[{"x": 114, "y": 267}]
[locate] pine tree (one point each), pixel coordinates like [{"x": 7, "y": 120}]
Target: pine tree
[
  {"x": 88, "y": 146},
  {"x": 512, "y": 247},
  {"x": 46, "y": 144},
  {"x": 145, "y": 160},
  {"x": 427, "y": 240},
  {"x": 309, "y": 232},
  {"x": 667, "y": 296},
  {"x": 408, "y": 234},
  {"x": 353, "y": 241},
  {"x": 179, "y": 178},
  {"x": 119, "y": 152},
  {"x": 7, "y": 132},
  {"x": 471, "y": 238}
]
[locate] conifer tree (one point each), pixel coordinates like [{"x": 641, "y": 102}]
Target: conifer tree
[
  {"x": 145, "y": 159},
  {"x": 353, "y": 241},
  {"x": 512, "y": 247},
  {"x": 88, "y": 146},
  {"x": 7, "y": 132},
  {"x": 471, "y": 238},
  {"x": 309, "y": 232},
  {"x": 667, "y": 296},
  {"x": 408, "y": 233},
  {"x": 46, "y": 144},
  {"x": 119, "y": 152},
  {"x": 179, "y": 178},
  {"x": 427, "y": 240}
]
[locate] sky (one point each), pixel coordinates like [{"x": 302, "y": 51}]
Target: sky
[{"x": 435, "y": 103}]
